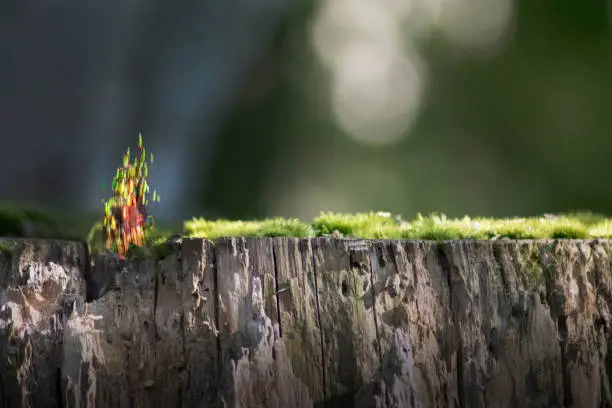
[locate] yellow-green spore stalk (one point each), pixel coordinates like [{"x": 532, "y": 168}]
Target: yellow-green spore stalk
[{"x": 125, "y": 218}]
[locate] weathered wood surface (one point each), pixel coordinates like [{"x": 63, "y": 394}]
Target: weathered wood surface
[{"x": 286, "y": 322}]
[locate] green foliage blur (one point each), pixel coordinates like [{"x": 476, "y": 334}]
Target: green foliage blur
[{"x": 521, "y": 131}]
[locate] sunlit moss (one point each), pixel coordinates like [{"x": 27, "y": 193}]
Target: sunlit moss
[
  {"x": 371, "y": 225},
  {"x": 435, "y": 227},
  {"x": 516, "y": 228},
  {"x": 276, "y": 227},
  {"x": 279, "y": 227},
  {"x": 602, "y": 229}
]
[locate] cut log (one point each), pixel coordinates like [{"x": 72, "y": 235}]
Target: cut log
[
  {"x": 41, "y": 286},
  {"x": 286, "y": 322}
]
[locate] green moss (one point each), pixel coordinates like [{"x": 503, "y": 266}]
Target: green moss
[
  {"x": 372, "y": 225},
  {"x": 531, "y": 268},
  {"x": 602, "y": 229},
  {"x": 538, "y": 228},
  {"x": 440, "y": 228},
  {"x": 276, "y": 227},
  {"x": 435, "y": 227}
]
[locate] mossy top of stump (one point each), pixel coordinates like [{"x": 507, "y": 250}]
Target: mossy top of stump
[
  {"x": 435, "y": 227},
  {"x": 16, "y": 222}
]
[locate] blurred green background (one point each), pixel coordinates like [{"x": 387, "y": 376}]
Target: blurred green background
[{"x": 486, "y": 108}]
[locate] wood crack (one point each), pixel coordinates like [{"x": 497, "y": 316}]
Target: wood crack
[
  {"x": 277, "y": 289},
  {"x": 315, "y": 277},
  {"x": 372, "y": 259}
]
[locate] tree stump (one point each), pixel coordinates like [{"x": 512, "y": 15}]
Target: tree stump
[{"x": 322, "y": 322}]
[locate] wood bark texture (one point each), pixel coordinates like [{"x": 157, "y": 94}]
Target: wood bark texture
[{"x": 292, "y": 323}]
